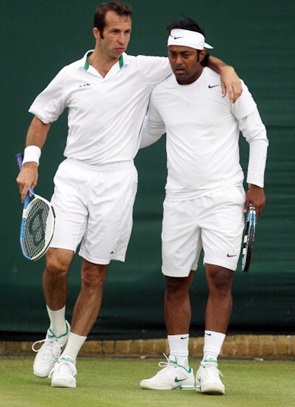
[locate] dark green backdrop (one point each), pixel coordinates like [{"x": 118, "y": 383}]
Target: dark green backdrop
[{"x": 38, "y": 37}]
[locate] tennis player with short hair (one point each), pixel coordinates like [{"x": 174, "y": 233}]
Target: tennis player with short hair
[
  {"x": 106, "y": 94},
  {"x": 205, "y": 199}
]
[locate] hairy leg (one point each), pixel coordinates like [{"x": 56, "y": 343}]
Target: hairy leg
[
  {"x": 55, "y": 277},
  {"x": 177, "y": 304},
  {"x": 219, "y": 304},
  {"x": 88, "y": 304}
]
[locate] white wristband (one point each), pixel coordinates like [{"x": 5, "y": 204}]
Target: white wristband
[{"x": 32, "y": 153}]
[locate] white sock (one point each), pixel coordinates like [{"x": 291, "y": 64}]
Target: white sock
[
  {"x": 57, "y": 321},
  {"x": 73, "y": 346},
  {"x": 213, "y": 342},
  {"x": 178, "y": 346}
]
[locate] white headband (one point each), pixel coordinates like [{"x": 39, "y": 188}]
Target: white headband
[{"x": 187, "y": 38}]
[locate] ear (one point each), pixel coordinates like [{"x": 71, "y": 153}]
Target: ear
[
  {"x": 96, "y": 33},
  {"x": 202, "y": 54}
]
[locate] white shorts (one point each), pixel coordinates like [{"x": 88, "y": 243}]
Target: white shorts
[
  {"x": 94, "y": 205},
  {"x": 213, "y": 223}
]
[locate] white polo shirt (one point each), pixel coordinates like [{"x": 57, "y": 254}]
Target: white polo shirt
[
  {"x": 202, "y": 135},
  {"x": 105, "y": 114}
]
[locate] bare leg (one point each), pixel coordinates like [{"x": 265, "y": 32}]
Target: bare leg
[
  {"x": 177, "y": 304},
  {"x": 88, "y": 304},
  {"x": 55, "y": 276},
  {"x": 219, "y": 304},
  {"x": 58, "y": 262},
  {"x": 55, "y": 288}
]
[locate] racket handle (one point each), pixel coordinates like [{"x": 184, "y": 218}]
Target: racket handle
[{"x": 19, "y": 159}]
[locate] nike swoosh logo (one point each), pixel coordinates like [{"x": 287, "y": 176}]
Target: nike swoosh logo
[
  {"x": 178, "y": 380},
  {"x": 184, "y": 337},
  {"x": 231, "y": 255},
  {"x": 212, "y": 86},
  {"x": 176, "y": 38}
]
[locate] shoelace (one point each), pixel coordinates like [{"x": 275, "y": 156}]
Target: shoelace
[
  {"x": 168, "y": 363},
  {"x": 64, "y": 367},
  {"x": 213, "y": 366},
  {"x": 51, "y": 350}
]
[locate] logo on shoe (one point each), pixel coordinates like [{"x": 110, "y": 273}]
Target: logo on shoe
[{"x": 178, "y": 380}]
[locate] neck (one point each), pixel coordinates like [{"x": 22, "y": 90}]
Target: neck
[{"x": 101, "y": 62}]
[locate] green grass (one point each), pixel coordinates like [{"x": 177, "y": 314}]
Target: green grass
[{"x": 115, "y": 383}]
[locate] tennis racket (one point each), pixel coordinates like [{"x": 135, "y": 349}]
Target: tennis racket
[
  {"x": 248, "y": 239},
  {"x": 37, "y": 224}
]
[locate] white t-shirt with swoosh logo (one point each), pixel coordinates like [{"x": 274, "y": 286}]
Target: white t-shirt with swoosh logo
[{"x": 202, "y": 130}]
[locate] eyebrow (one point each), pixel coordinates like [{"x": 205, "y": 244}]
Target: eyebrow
[{"x": 180, "y": 52}]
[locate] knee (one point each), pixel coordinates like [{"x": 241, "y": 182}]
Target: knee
[
  {"x": 219, "y": 278},
  {"x": 176, "y": 287},
  {"x": 93, "y": 275},
  {"x": 58, "y": 261}
]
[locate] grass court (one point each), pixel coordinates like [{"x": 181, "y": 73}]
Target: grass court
[{"x": 114, "y": 382}]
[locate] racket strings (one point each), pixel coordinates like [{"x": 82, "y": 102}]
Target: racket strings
[{"x": 37, "y": 228}]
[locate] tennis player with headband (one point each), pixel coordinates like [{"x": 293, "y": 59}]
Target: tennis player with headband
[
  {"x": 106, "y": 94},
  {"x": 205, "y": 200}
]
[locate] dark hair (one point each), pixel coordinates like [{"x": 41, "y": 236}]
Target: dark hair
[
  {"x": 187, "y": 23},
  {"x": 100, "y": 13}
]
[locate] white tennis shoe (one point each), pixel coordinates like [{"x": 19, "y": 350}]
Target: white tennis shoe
[
  {"x": 208, "y": 379},
  {"x": 49, "y": 352},
  {"x": 170, "y": 377},
  {"x": 63, "y": 373}
]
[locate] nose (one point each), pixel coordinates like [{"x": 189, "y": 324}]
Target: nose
[
  {"x": 121, "y": 38},
  {"x": 178, "y": 60}
]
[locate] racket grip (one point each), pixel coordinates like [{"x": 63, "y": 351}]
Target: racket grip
[{"x": 19, "y": 159}]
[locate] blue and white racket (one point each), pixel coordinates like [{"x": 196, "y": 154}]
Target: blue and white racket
[
  {"x": 248, "y": 238},
  {"x": 37, "y": 224}
]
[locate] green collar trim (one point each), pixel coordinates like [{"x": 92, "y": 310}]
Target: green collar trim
[
  {"x": 121, "y": 62},
  {"x": 86, "y": 65}
]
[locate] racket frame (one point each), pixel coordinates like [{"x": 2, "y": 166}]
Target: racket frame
[
  {"x": 248, "y": 238},
  {"x": 50, "y": 226}
]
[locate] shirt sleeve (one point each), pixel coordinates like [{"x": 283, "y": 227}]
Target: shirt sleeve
[
  {"x": 153, "y": 126},
  {"x": 254, "y": 132},
  {"x": 155, "y": 69},
  {"x": 50, "y": 103}
]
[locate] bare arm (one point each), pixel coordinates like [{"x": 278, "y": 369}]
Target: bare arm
[
  {"x": 256, "y": 196},
  {"x": 230, "y": 82},
  {"x": 28, "y": 176}
]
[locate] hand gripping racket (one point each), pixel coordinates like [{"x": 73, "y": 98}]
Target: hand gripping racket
[
  {"x": 249, "y": 236},
  {"x": 37, "y": 224}
]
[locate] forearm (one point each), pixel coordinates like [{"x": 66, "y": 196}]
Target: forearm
[
  {"x": 254, "y": 131},
  {"x": 257, "y": 163},
  {"x": 150, "y": 134},
  {"x": 36, "y": 137},
  {"x": 37, "y": 133},
  {"x": 217, "y": 64},
  {"x": 230, "y": 82}
]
